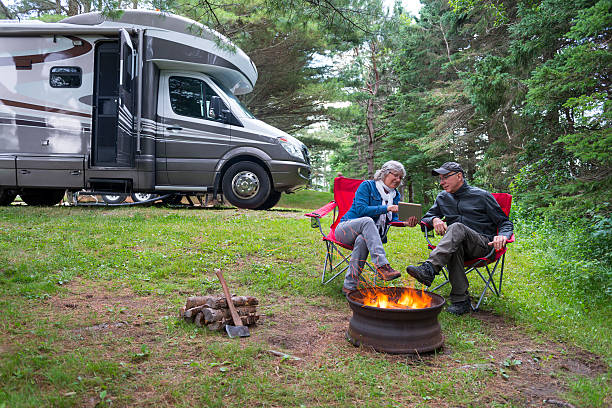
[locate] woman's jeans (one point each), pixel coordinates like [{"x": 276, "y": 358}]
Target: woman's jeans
[{"x": 362, "y": 234}]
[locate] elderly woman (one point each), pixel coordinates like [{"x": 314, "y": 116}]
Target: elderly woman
[{"x": 366, "y": 223}]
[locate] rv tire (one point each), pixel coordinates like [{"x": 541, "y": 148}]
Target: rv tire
[
  {"x": 42, "y": 197},
  {"x": 114, "y": 198},
  {"x": 274, "y": 198},
  {"x": 246, "y": 185},
  {"x": 7, "y": 196},
  {"x": 140, "y": 197}
]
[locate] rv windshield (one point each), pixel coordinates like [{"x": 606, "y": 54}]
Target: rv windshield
[{"x": 232, "y": 96}]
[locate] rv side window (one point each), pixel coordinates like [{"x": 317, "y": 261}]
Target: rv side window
[
  {"x": 191, "y": 97},
  {"x": 65, "y": 77},
  {"x": 127, "y": 67}
]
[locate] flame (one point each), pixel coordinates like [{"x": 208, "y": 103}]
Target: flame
[{"x": 408, "y": 299}]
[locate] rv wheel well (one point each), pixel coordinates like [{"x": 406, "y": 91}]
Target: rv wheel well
[{"x": 237, "y": 159}]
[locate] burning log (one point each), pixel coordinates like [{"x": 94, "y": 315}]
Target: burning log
[{"x": 213, "y": 312}]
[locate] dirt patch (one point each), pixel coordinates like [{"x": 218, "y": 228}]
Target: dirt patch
[
  {"x": 118, "y": 323},
  {"x": 523, "y": 371},
  {"x": 304, "y": 331}
]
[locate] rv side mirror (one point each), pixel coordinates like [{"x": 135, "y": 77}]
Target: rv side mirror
[{"x": 218, "y": 108}]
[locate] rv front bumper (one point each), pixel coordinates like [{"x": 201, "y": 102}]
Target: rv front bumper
[{"x": 288, "y": 176}]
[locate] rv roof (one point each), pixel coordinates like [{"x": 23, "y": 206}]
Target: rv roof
[{"x": 149, "y": 18}]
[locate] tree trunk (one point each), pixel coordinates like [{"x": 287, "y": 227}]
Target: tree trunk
[
  {"x": 5, "y": 11},
  {"x": 372, "y": 88},
  {"x": 370, "y": 139},
  {"x": 73, "y": 7}
]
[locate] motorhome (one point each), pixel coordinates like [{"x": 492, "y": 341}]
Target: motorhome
[{"x": 142, "y": 102}]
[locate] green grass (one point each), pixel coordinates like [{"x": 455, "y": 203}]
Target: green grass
[
  {"x": 137, "y": 265},
  {"x": 305, "y": 199}
]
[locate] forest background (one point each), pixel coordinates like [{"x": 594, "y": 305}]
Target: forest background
[{"x": 517, "y": 91}]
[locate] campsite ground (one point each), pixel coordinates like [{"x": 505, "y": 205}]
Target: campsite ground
[{"x": 90, "y": 298}]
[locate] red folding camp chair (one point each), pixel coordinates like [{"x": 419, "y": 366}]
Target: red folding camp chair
[
  {"x": 496, "y": 258},
  {"x": 344, "y": 193}
]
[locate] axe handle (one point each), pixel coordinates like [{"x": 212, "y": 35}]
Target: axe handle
[{"x": 237, "y": 320}]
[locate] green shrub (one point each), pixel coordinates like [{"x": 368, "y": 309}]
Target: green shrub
[{"x": 575, "y": 252}]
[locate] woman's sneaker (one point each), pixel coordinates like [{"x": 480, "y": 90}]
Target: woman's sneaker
[{"x": 387, "y": 273}]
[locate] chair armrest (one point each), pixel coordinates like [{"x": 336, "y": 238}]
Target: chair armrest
[
  {"x": 425, "y": 226},
  {"x": 323, "y": 211},
  {"x": 397, "y": 224}
]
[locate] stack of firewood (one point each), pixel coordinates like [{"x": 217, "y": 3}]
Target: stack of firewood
[{"x": 213, "y": 312}]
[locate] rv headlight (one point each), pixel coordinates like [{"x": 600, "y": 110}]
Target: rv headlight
[{"x": 291, "y": 148}]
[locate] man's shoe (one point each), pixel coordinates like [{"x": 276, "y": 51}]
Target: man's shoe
[
  {"x": 459, "y": 308},
  {"x": 387, "y": 273},
  {"x": 424, "y": 273}
]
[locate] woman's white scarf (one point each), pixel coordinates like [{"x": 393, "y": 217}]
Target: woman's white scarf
[{"x": 387, "y": 196}]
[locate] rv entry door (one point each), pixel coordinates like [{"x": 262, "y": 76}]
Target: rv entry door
[{"x": 125, "y": 128}]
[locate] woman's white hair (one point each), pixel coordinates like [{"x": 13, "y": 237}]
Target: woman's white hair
[{"x": 388, "y": 167}]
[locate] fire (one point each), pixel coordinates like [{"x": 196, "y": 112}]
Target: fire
[{"x": 407, "y": 299}]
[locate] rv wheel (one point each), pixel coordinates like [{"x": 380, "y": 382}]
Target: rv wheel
[
  {"x": 246, "y": 185},
  {"x": 7, "y": 196},
  {"x": 42, "y": 197},
  {"x": 114, "y": 198},
  {"x": 140, "y": 197},
  {"x": 274, "y": 198}
]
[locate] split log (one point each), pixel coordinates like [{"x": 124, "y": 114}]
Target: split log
[
  {"x": 219, "y": 302},
  {"x": 199, "y": 319},
  {"x": 191, "y": 313},
  {"x": 214, "y": 315},
  {"x": 194, "y": 301},
  {"x": 216, "y": 326},
  {"x": 220, "y": 325}
]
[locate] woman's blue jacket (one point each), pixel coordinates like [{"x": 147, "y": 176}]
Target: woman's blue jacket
[{"x": 368, "y": 203}]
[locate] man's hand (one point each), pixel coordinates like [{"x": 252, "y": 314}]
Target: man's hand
[
  {"x": 393, "y": 208},
  {"x": 499, "y": 241},
  {"x": 412, "y": 221},
  {"x": 439, "y": 226}
]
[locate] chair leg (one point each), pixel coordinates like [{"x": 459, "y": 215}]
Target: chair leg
[
  {"x": 329, "y": 261},
  {"x": 501, "y": 271},
  {"x": 445, "y": 279},
  {"x": 489, "y": 283}
]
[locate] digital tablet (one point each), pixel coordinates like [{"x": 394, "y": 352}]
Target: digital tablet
[{"x": 407, "y": 210}]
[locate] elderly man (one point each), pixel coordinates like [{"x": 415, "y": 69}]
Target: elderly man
[{"x": 471, "y": 221}]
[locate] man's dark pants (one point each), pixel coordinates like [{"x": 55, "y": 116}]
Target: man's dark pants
[{"x": 458, "y": 243}]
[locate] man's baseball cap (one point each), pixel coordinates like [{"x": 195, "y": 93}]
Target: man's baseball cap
[{"x": 446, "y": 168}]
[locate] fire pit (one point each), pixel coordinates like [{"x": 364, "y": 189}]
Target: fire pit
[{"x": 395, "y": 319}]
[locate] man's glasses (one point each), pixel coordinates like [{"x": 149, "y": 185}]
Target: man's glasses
[
  {"x": 447, "y": 175},
  {"x": 399, "y": 176}
]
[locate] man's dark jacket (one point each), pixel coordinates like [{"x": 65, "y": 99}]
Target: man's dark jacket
[{"x": 473, "y": 207}]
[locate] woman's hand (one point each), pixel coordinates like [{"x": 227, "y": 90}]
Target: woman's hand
[
  {"x": 412, "y": 222},
  {"x": 393, "y": 208}
]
